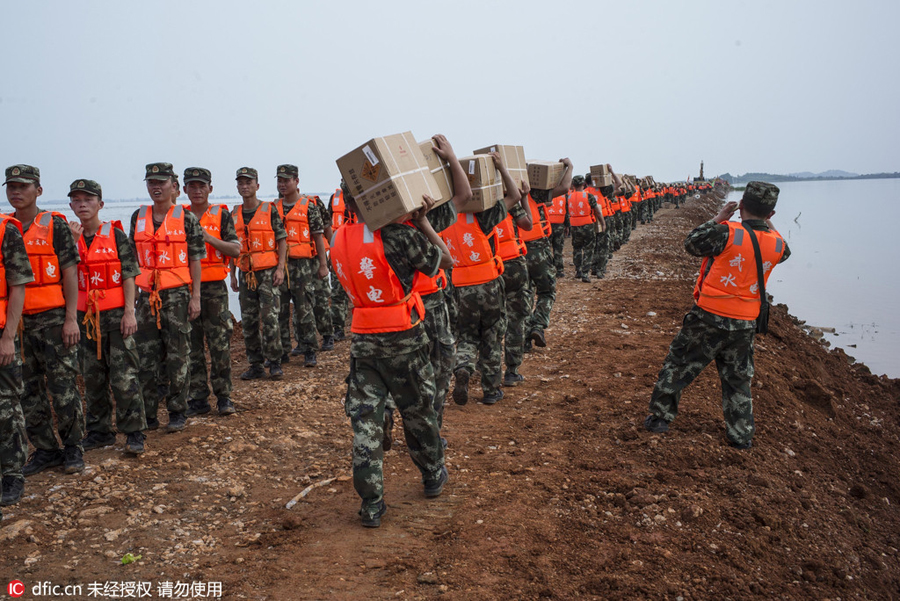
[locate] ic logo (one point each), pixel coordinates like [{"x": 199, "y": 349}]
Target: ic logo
[{"x": 16, "y": 588}]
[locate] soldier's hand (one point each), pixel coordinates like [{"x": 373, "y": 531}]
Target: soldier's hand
[
  {"x": 566, "y": 161},
  {"x": 129, "y": 324},
  {"x": 76, "y": 228},
  {"x": 194, "y": 308},
  {"x": 234, "y": 283},
  {"x": 278, "y": 278},
  {"x": 70, "y": 333},
  {"x": 498, "y": 160},
  {"x": 7, "y": 350},
  {"x": 442, "y": 147},
  {"x": 323, "y": 271},
  {"x": 726, "y": 212}
]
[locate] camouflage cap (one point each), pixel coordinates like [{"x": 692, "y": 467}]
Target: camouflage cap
[
  {"x": 197, "y": 174},
  {"x": 25, "y": 174},
  {"x": 287, "y": 171},
  {"x": 248, "y": 172},
  {"x": 764, "y": 193},
  {"x": 86, "y": 185},
  {"x": 159, "y": 171},
  {"x": 578, "y": 180}
]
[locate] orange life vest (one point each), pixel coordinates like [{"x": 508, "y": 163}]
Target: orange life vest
[
  {"x": 625, "y": 204},
  {"x": 258, "y": 247},
  {"x": 425, "y": 285},
  {"x": 728, "y": 284},
  {"x": 46, "y": 291},
  {"x": 4, "y": 288},
  {"x": 379, "y": 302},
  {"x": 540, "y": 227},
  {"x": 580, "y": 212},
  {"x": 162, "y": 254},
  {"x": 339, "y": 214},
  {"x": 511, "y": 247},
  {"x": 474, "y": 262},
  {"x": 215, "y": 265},
  {"x": 556, "y": 211},
  {"x": 296, "y": 222},
  {"x": 100, "y": 271},
  {"x": 602, "y": 201}
]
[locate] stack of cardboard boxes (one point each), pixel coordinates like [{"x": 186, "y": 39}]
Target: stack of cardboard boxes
[{"x": 545, "y": 175}]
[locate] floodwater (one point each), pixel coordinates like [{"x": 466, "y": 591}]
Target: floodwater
[{"x": 843, "y": 270}]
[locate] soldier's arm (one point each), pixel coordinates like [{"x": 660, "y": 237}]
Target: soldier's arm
[
  {"x": 563, "y": 186},
  {"x": 15, "y": 302},
  {"x": 70, "y": 332},
  {"x": 462, "y": 190},
  {"x": 513, "y": 194},
  {"x": 278, "y": 276},
  {"x": 196, "y": 279},
  {"x": 129, "y": 323},
  {"x": 319, "y": 240},
  {"x": 229, "y": 249}
]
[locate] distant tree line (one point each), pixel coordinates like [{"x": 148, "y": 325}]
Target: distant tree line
[{"x": 775, "y": 178}]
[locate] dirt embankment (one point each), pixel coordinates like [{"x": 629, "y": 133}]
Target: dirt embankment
[{"x": 555, "y": 492}]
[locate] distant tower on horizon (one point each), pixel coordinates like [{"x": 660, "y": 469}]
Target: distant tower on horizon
[{"x": 701, "y": 171}]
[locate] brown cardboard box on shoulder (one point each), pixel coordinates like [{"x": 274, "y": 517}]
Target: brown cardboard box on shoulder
[
  {"x": 514, "y": 159},
  {"x": 545, "y": 175},
  {"x": 487, "y": 186},
  {"x": 440, "y": 169},
  {"x": 388, "y": 177},
  {"x": 601, "y": 175}
]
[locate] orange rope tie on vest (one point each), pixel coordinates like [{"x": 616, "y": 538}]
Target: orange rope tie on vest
[
  {"x": 91, "y": 319},
  {"x": 155, "y": 300}
]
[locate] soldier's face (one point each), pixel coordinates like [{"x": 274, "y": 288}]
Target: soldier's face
[
  {"x": 247, "y": 187},
  {"x": 162, "y": 190},
  {"x": 85, "y": 206},
  {"x": 198, "y": 192},
  {"x": 22, "y": 196},
  {"x": 288, "y": 185}
]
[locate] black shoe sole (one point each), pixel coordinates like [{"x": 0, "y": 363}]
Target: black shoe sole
[{"x": 461, "y": 387}]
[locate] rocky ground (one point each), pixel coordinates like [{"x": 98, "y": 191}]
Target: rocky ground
[{"x": 555, "y": 492}]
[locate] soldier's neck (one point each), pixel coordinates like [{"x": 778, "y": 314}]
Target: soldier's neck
[
  {"x": 251, "y": 203},
  {"x": 292, "y": 198},
  {"x": 199, "y": 208},
  {"x": 91, "y": 226},
  {"x": 27, "y": 215},
  {"x": 161, "y": 208}
]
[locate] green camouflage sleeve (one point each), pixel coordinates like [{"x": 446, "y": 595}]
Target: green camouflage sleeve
[
  {"x": 517, "y": 212},
  {"x": 707, "y": 240},
  {"x": 127, "y": 256},
  {"x": 15, "y": 258},
  {"x": 492, "y": 217},
  {"x": 787, "y": 252},
  {"x": 278, "y": 224},
  {"x": 592, "y": 200},
  {"x": 316, "y": 221},
  {"x": 194, "y": 232},
  {"x": 329, "y": 212},
  {"x": 442, "y": 217},
  {"x": 227, "y": 229},
  {"x": 134, "y": 217},
  {"x": 64, "y": 244},
  {"x": 540, "y": 196}
]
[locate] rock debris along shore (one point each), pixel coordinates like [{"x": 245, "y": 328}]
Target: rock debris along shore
[{"x": 556, "y": 491}]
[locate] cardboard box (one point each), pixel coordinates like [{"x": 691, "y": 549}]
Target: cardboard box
[
  {"x": 487, "y": 187},
  {"x": 388, "y": 177},
  {"x": 513, "y": 157},
  {"x": 545, "y": 175},
  {"x": 602, "y": 180},
  {"x": 440, "y": 169}
]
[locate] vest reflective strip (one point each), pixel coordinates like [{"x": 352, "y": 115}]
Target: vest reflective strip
[
  {"x": 470, "y": 218},
  {"x": 368, "y": 235},
  {"x": 779, "y": 246},
  {"x": 739, "y": 237},
  {"x": 45, "y": 219},
  {"x": 105, "y": 229}
]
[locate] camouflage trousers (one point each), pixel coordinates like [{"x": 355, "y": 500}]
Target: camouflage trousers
[
  {"x": 627, "y": 220},
  {"x": 115, "y": 375},
  {"x": 641, "y": 212},
  {"x": 165, "y": 347},
  {"x": 215, "y": 326},
  {"x": 298, "y": 288},
  {"x": 340, "y": 304},
  {"x": 612, "y": 229},
  {"x": 409, "y": 380},
  {"x": 49, "y": 372},
  {"x": 13, "y": 440},
  {"x": 557, "y": 238},
  {"x": 515, "y": 283},
  {"x": 541, "y": 285},
  {"x": 260, "y": 318},
  {"x": 452, "y": 299},
  {"x": 322, "y": 305},
  {"x": 694, "y": 347},
  {"x": 442, "y": 348},
  {"x": 601, "y": 252},
  {"x": 482, "y": 310},
  {"x": 583, "y": 248}
]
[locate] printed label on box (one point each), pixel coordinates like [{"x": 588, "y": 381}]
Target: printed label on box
[{"x": 370, "y": 155}]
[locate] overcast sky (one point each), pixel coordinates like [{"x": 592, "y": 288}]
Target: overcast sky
[{"x": 98, "y": 89}]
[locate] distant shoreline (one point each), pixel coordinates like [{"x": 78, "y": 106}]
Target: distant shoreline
[{"x": 775, "y": 178}]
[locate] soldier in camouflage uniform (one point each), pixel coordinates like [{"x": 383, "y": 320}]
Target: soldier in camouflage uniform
[
  {"x": 541, "y": 268},
  {"x": 518, "y": 293},
  {"x": 601, "y": 239},
  {"x": 13, "y": 442},
  {"x": 340, "y": 304},
  {"x": 164, "y": 313},
  {"x": 392, "y": 363},
  {"x": 215, "y": 324},
  {"x": 109, "y": 358},
  {"x": 583, "y": 235},
  {"x": 258, "y": 286},
  {"x": 322, "y": 289},
  {"x": 50, "y": 335},
  {"x": 707, "y": 335}
]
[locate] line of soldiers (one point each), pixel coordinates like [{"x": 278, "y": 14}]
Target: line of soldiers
[{"x": 132, "y": 312}]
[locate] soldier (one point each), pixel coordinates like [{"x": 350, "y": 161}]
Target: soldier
[
  {"x": 541, "y": 269},
  {"x": 214, "y": 324},
  {"x": 15, "y": 273},
  {"x": 262, "y": 264},
  {"x": 338, "y": 215},
  {"x": 49, "y": 329},
  {"x": 723, "y": 323},
  {"x": 306, "y": 261},
  {"x": 169, "y": 244},
  {"x": 584, "y": 212},
  {"x": 388, "y": 354},
  {"x": 106, "y": 295},
  {"x": 322, "y": 287},
  {"x": 476, "y": 277},
  {"x": 602, "y": 238},
  {"x": 558, "y": 217}
]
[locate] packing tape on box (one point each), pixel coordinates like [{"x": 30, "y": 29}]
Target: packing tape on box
[{"x": 402, "y": 176}]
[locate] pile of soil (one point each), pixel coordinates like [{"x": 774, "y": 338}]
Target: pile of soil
[{"x": 556, "y": 491}]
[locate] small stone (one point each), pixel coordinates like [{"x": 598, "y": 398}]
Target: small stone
[
  {"x": 427, "y": 578},
  {"x": 651, "y": 314}
]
